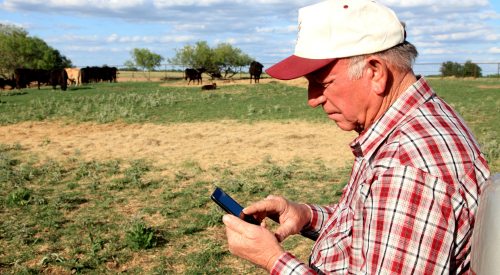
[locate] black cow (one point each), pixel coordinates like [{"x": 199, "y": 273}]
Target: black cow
[
  {"x": 7, "y": 82},
  {"x": 59, "y": 77},
  {"x": 194, "y": 75},
  {"x": 98, "y": 74},
  {"x": 25, "y": 76},
  {"x": 212, "y": 86},
  {"x": 255, "y": 71}
]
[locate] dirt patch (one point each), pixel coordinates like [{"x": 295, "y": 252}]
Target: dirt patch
[
  {"x": 489, "y": 86},
  {"x": 300, "y": 82},
  {"x": 209, "y": 144}
]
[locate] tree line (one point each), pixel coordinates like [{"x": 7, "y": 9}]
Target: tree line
[
  {"x": 19, "y": 50},
  {"x": 468, "y": 69},
  {"x": 222, "y": 60}
]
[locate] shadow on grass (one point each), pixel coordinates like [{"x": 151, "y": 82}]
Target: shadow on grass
[{"x": 78, "y": 88}]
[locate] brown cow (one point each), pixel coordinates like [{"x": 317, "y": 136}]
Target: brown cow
[{"x": 74, "y": 76}]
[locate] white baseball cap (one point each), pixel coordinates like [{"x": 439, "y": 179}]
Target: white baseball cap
[{"x": 334, "y": 29}]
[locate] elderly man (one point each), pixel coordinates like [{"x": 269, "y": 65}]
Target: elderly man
[{"x": 410, "y": 204}]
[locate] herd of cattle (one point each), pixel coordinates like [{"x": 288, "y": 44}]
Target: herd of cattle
[
  {"x": 59, "y": 77},
  {"x": 76, "y": 76}
]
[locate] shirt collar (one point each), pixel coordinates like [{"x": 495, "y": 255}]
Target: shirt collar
[{"x": 370, "y": 139}]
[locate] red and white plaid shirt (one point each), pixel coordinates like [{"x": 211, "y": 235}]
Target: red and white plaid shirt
[{"x": 411, "y": 201}]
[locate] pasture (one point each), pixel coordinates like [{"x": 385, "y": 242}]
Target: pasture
[{"x": 116, "y": 177}]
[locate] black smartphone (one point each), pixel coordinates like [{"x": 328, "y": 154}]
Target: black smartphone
[{"x": 230, "y": 205}]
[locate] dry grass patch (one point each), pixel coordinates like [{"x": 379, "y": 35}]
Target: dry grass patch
[{"x": 208, "y": 144}]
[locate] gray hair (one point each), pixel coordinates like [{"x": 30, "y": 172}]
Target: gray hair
[{"x": 401, "y": 57}]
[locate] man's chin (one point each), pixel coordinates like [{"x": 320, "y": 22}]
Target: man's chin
[{"x": 345, "y": 126}]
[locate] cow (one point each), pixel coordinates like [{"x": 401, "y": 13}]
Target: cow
[
  {"x": 212, "y": 86},
  {"x": 24, "y": 77},
  {"x": 11, "y": 83},
  {"x": 59, "y": 77},
  {"x": 255, "y": 71},
  {"x": 74, "y": 76},
  {"x": 108, "y": 73},
  {"x": 194, "y": 75},
  {"x": 98, "y": 74}
]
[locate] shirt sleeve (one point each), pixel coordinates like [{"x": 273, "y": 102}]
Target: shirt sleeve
[
  {"x": 289, "y": 264},
  {"x": 409, "y": 224}
]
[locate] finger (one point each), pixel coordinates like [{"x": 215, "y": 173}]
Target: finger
[
  {"x": 278, "y": 237},
  {"x": 263, "y": 206},
  {"x": 234, "y": 223},
  {"x": 282, "y": 233},
  {"x": 263, "y": 224}
]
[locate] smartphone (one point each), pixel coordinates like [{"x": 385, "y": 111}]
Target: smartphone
[{"x": 231, "y": 206}]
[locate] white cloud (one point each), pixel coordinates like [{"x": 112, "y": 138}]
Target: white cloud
[
  {"x": 70, "y": 38},
  {"x": 435, "y": 4},
  {"x": 287, "y": 29},
  {"x": 489, "y": 15},
  {"x": 175, "y": 3},
  {"x": 494, "y": 50},
  {"x": 436, "y": 51},
  {"x": 86, "y": 48},
  {"x": 190, "y": 27},
  {"x": 65, "y": 4}
]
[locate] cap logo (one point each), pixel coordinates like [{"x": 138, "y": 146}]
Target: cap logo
[{"x": 298, "y": 33}]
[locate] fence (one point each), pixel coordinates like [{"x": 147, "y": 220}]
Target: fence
[{"x": 174, "y": 71}]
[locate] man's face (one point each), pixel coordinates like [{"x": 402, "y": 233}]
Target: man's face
[{"x": 344, "y": 100}]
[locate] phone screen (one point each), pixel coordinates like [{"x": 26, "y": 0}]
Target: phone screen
[{"x": 230, "y": 205}]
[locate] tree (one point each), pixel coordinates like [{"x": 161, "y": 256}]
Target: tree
[
  {"x": 19, "y": 50},
  {"x": 222, "y": 59},
  {"x": 130, "y": 65},
  {"x": 145, "y": 59},
  {"x": 469, "y": 69},
  {"x": 227, "y": 59},
  {"x": 472, "y": 69},
  {"x": 195, "y": 56},
  {"x": 451, "y": 69}
]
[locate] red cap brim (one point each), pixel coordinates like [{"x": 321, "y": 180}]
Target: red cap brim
[{"x": 295, "y": 67}]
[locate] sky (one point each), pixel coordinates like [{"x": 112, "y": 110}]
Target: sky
[{"x": 104, "y": 32}]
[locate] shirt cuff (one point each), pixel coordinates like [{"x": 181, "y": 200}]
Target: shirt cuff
[
  {"x": 318, "y": 216},
  {"x": 288, "y": 264}
]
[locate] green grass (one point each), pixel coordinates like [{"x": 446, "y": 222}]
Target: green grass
[
  {"x": 80, "y": 222},
  {"x": 148, "y": 102},
  {"x": 74, "y": 215}
]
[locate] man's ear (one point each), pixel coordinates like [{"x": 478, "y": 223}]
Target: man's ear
[{"x": 378, "y": 72}]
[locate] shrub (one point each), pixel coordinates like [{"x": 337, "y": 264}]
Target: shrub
[{"x": 139, "y": 236}]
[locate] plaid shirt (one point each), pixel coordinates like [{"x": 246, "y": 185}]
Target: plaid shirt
[{"x": 410, "y": 204}]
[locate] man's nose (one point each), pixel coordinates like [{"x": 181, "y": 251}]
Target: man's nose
[{"x": 315, "y": 96}]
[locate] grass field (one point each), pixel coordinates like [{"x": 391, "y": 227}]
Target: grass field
[{"x": 112, "y": 178}]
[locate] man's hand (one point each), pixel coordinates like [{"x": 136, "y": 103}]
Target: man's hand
[
  {"x": 291, "y": 216},
  {"x": 252, "y": 242}
]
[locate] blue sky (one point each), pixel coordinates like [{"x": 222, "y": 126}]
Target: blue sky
[{"x": 98, "y": 32}]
